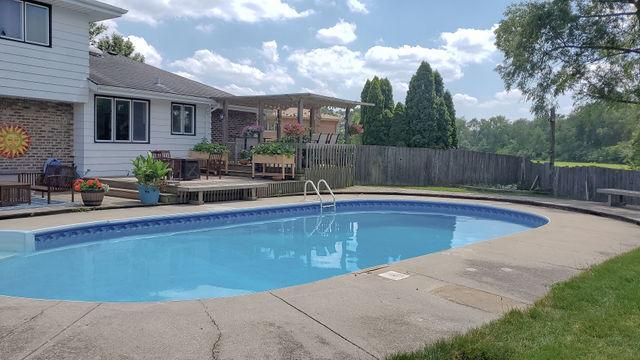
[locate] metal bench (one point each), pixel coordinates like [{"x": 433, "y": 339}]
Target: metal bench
[{"x": 616, "y": 196}]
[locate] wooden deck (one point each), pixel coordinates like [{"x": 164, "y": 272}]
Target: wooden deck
[{"x": 204, "y": 190}]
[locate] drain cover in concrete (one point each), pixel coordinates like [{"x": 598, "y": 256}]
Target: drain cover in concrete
[{"x": 393, "y": 275}]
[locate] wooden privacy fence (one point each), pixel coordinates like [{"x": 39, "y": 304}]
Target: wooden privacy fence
[
  {"x": 581, "y": 183},
  {"x": 334, "y": 163},
  {"x": 347, "y": 165},
  {"x": 385, "y": 165}
]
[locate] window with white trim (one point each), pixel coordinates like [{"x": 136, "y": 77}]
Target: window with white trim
[
  {"x": 25, "y": 21},
  {"x": 121, "y": 120},
  {"x": 183, "y": 119}
]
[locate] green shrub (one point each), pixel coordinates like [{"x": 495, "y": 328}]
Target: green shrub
[
  {"x": 210, "y": 147},
  {"x": 274, "y": 148}
]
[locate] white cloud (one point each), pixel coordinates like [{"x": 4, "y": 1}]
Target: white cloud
[
  {"x": 357, "y": 6},
  {"x": 151, "y": 55},
  {"x": 270, "y": 51},
  {"x": 154, "y": 11},
  {"x": 341, "y": 33},
  {"x": 470, "y": 45},
  {"x": 336, "y": 65},
  {"x": 205, "y": 28},
  {"x": 219, "y": 71},
  {"x": 464, "y": 99},
  {"x": 404, "y": 60},
  {"x": 241, "y": 90}
]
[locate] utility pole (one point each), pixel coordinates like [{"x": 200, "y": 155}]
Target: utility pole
[
  {"x": 552, "y": 137},
  {"x": 552, "y": 149}
]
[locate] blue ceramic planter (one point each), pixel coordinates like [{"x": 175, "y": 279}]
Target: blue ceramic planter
[{"x": 148, "y": 195}]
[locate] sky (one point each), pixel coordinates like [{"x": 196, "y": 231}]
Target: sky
[{"x": 328, "y": 47}]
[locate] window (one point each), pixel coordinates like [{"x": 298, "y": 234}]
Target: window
[
  {"x": 25, "y": 21},
  {"x": 121, "y": 120},
  {"x": 183, "y": 119}
]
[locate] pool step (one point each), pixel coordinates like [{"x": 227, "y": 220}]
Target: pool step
[{"x": 133, "y": 194}]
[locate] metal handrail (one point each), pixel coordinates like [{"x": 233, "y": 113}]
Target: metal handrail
[
  {"x": 315, "y": 188},
  {"x": 317, "y": 191},
  {"x": 323, "y": 181}
]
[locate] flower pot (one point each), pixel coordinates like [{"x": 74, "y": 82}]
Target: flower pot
[
  {"x": 92, "y": 198},
  {"x": 148, "y": 195}
]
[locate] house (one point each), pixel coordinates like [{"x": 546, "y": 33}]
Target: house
[
  {"x": 82, "y": 106},
  {"x": 60, "y": 99}
]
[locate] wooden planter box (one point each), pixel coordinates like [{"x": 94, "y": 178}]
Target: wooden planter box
[{"x": 275, "y": 161}]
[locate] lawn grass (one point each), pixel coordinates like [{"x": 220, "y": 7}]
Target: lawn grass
[
  {"x": 586, "y": 164},
  {"x": 594, "y": 316}
]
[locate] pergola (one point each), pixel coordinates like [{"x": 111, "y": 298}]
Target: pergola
[{"x": 280, "y": 102}]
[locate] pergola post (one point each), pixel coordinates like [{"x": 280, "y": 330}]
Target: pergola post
[
  {"x": 300, "y": 110},
  {"x": 312, "y": 119},
  {"x": 259, "y": 114},
  {"x": 278, "y": 123},
  {"x": 225, "y": 122},
  {"x": 347, "y": 115}
]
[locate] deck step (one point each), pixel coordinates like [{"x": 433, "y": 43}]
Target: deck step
[
  {"x": 120, "y": 184},
  {"x": 133, "y": 194}
]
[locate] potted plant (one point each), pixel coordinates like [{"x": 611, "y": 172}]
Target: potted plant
[
  {"x": 275, "y": 153},
  {"x": 150, "y": 174},
  {"x": 91, "y": 190},
  {"x": 245, "y": 157}
]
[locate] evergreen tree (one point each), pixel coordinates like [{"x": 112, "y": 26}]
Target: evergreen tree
[
  {"x": 419, "y": 105},
  {"x": 387, "y": 93},
  {"x": 399, "y": 133},
  {"x": 453, "y": 131},
  {"x": 374, "y": 127}
]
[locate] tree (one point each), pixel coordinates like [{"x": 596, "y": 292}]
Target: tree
[
  {"x": 590, "y": 48},
  {"x": 399, "y": 133},
  {"x": 96, "y": 30},
  {"x": 378, "y": 119},
  {"x": 426, "y": 110},
  {"x": 453, "y": 131},
  {"x": 114, "y": 43},
  {"x": 375, "y": 131}
]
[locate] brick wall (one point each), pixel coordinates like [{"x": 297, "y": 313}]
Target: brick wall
[
  {"x": 50, "y": 125},
  {"x": 237, "y": 121}
]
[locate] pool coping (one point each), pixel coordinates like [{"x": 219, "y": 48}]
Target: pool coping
[{"x": 327, "y": 319}]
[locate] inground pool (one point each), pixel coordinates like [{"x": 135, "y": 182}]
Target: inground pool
[{"x": 208, "y": 255}]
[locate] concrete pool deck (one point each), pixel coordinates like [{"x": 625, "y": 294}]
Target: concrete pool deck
[{"x": 354, "y": 316}]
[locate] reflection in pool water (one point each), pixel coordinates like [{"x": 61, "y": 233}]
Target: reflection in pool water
[{"x": 238, "y": 259}]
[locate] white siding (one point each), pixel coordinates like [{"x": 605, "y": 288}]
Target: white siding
[
  {"x": 57, "y": 73},
  {"x": 114, "y": 159}
]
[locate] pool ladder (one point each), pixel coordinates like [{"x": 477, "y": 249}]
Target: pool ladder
[{"x": 317, "y": 191}]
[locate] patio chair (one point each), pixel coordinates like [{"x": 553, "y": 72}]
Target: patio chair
[
  {"x": 333, "y": 139},
  {"x": 57, "y": 179},
  {"x": 165, "y": 156}
]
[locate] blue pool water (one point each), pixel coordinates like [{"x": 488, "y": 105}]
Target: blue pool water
[{"x": 241, "y": 252}]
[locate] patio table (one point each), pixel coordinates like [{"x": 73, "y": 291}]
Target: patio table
[
  {"x": 13, "y": 192},
  {"x": 185, "y": 169}
]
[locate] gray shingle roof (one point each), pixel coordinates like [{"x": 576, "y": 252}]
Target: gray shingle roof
[{"x": 120, "y": 71}]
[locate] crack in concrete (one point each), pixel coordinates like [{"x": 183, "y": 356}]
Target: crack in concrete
[
  {"x": 60, "y": 332},
  {"x": 12, "y": 331},
  {"x": 214, "y": 350},
  {"x": 325, "y": 326}
]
